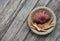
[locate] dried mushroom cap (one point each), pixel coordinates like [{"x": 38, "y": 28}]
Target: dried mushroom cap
[
  {"x": 41, "y": 16},
  {"x": 42, "y": 20}
]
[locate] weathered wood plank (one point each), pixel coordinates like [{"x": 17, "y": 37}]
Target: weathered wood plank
[
  {"x": 55, "y": 35},
  {"x": 19, "y": 20},
  {"x": 22, "y": 33},
  {"x": 1, "y": 17},
  {"x": 7, "y": 16},
  {"x": 3, "y": 4},
  {"x": 42, "y": 3}
]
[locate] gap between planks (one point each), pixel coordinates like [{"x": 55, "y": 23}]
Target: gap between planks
[
  {"x": 13, "y": 29},
  {"x": 10, "y": 15}
]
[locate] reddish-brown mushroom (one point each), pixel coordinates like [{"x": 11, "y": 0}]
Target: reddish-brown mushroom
[{"x": 41, "y": 16}]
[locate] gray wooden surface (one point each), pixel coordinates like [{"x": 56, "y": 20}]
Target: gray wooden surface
[{"x": 13, "y": 20}]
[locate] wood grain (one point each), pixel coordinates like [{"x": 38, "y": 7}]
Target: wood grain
[
  {"x": 22, "y": 33},
  {"x": 19, "y": 20},
  {"x": 8, "y": 14}
]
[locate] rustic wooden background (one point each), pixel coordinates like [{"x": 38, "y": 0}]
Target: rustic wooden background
[{"x": 13, "y": 20}]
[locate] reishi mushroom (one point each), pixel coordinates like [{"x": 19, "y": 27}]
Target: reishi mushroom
[
  {"x": 42, "y": 20},
  {"x": 41, "y": 16}
]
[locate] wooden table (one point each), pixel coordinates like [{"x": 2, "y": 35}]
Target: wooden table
[{"x": 13, "y": 20}]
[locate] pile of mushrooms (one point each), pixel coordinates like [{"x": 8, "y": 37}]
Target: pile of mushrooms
[{"x": 41, "y": 20}]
